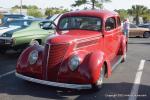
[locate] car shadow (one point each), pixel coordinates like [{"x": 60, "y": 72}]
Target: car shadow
[
  {"x": 110, "y": 91},
  {"x": 8, "y": 62},
  {"x": 10, "y": 54}
]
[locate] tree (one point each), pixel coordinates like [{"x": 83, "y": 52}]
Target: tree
[
  {"x": 1, "y": 16},
  {"x": 123, "y": 13},
  {"x": 18, "y": 7},
  {"x": 52, "y": 11},
  {"x": 34, "y": 12},
  {"x": 138, "y": 11},
  {"x": 32, "y": 7},
  {"x": 146, "y": 17},
  {"x": 92, "y": 3}
]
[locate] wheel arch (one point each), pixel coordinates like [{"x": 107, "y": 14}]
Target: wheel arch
[
  {"x": 146, "y": 32},
  {"x": 96, "y": 61}
]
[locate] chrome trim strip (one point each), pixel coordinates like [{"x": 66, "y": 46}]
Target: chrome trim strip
[
  {"x": 47, "y": 61},
  {"x": 90, "y": 39},
  {"x": 64, "y": 85},
  {"x": 5, "y": 38}
]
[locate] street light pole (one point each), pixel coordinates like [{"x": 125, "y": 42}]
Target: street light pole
[
  {"x": 102, "y": 1},
  {"x": 20, "y": 6}
]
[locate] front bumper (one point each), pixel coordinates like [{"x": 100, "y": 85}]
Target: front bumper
[
  {"x": 6, "y": 41},
  {"x": 57, "y": 84}
]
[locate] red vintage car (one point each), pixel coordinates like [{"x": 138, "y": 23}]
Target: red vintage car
[{"x": 87, "y": 46}]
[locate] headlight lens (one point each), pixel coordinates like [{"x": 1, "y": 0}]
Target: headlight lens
[
  {"x": 74, "y": 62},
  {"x": 33, "y": 57}
]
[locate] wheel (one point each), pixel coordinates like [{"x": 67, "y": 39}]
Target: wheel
[
  {"x": 146, "y": 34},
  {"x": 34, "y": 42},
  {"x": 100, "y": 81},
  {"x": 124, "y": 55}
]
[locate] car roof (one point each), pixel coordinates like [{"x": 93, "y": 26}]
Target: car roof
[
  {"x": 34, "y": 19},
  {"x": 14, "y": 15},
  {"x": 92, "y": 13}
]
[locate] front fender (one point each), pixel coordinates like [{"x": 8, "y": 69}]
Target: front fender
[
  {"x": 96, "y": 61},
  {"x": 23, "y": 66}
]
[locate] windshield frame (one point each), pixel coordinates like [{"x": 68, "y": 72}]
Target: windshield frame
[{"x": 100, "y": 19}]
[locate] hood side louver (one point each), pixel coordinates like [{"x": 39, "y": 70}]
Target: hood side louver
[{"x": 86, "y": 43}]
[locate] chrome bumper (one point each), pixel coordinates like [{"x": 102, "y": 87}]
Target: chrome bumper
[{"x": 64, "y": 85}]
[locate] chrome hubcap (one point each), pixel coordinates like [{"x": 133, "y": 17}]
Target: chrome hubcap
[{"x": 34, "y": 42}]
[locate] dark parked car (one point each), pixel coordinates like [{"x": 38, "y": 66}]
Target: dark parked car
[
  {"x": 7, "y": 30},
  {"x": 6, "y": 17},
  {"x": 146, "y": 25}
]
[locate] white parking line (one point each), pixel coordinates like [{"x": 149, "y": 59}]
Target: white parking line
[
  {"x": 8, "y": 73},
  {"x": 135, "y": 88}
]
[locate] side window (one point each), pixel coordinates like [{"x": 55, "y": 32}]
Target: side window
[
  {"x": 110, "y": 24},
  {"x": 118, "y": 21},
  {"x": 64, "y": 23}
]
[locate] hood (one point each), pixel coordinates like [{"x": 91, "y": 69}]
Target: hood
[
  {"x": 34, "y": 27},
  {"x": 7, "y": 30},
  {"x": 1, "y": 28},
  {"x": 74, "y": 36}
]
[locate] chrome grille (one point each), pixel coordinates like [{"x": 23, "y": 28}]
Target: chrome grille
[{"x": 56, "y": 53}]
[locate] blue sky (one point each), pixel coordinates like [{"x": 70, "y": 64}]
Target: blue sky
[{"x": 115, "y": 4}]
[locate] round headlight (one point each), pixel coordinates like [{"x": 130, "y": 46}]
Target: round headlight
[
  {"x": 33, "y": 57},
  {"x": 74, "y": 62}
]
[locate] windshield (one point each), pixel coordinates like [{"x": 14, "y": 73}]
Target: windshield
[
  {"x": 17, "y": 23},
  {"x": 55, "y": 18},
  {"x": 82, "y": 23}
]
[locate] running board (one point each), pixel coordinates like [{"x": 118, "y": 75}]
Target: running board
[{"x": 119, "y": 59}]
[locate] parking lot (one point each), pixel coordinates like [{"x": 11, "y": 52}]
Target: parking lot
[{"x": 130, "y": 80}]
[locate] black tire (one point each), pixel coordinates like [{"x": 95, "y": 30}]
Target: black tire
[
  {"x": 146, "y": 34},
  {"x": 34, "y": 42},
  {"x": 99, "y": 82}
]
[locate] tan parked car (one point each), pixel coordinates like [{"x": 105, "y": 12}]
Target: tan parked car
[{"x": 136, "y": 31}]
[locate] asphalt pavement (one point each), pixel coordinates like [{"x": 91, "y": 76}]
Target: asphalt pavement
[{"x": 129, "y": 77}]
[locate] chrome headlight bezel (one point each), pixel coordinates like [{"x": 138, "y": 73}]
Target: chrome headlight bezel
[
  {"x": 33, "y": 57},
  {"x": 74, "y": 62}
]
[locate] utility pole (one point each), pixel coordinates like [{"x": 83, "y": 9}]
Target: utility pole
[
  {"x": 20, "y": 6},
  {"x": 102, "y": 1}
]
